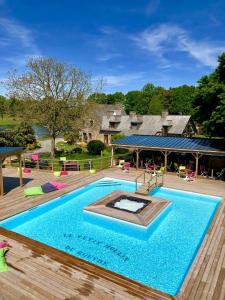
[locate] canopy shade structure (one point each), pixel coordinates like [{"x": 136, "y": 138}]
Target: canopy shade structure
[
  {"x": 4, "y": 153},
  {"x": 167, "y": 144},
  {"x": 171, "y": 143}
]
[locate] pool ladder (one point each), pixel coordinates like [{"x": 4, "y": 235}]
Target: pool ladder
[{"x": 156, "y": 179}]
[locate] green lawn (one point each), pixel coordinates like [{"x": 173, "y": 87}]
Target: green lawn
[{"x": 8, "y": 121}]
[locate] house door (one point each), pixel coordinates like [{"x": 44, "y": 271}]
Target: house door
[{"x": 106, "y": 139}]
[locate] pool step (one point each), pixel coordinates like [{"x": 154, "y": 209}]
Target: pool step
[
  {"x": 108, "y": 183},
  {"x": 145, "y": 189}
]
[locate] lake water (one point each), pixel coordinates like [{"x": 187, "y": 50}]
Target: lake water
[{"x": 39, "y": 131}]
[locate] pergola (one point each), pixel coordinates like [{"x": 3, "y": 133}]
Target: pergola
[
  {"x": 168, "y": 144},
  {"x": 4, "y": 153}
]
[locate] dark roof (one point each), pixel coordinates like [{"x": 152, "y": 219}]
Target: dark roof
[
  {"x": 200, "y": 145},
  {"x": 7, "y": 151}
]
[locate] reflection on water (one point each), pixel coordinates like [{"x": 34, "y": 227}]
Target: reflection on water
[{"x": 39, "y": 131}]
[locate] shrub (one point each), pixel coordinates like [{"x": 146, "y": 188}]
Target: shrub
[
  {"x": 77, "y": 150},
  {"x": 95, "y": 147}
]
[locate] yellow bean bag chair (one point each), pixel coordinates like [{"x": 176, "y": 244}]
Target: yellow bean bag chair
[{"x": 92, "y": 171}]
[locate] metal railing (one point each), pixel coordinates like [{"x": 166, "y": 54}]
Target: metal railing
[
  {"x": 153, "y": 180},
  {"x": 49, "y": 164}
]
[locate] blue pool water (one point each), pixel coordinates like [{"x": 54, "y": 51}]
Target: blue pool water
[{"x": 159, "y": 259}]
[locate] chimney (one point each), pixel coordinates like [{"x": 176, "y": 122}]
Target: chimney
[
  {"x": 164, "y": 113},
  {"x": 109, "y": 113},
  {"x": 132, "y": 114}
]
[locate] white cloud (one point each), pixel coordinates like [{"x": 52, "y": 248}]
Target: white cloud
[
  {"x": 16, "y": 31},
  {"x": 107, "y": 56},
  {"x": 121, "y": 80},
  {"x": 168, "y": 38}
]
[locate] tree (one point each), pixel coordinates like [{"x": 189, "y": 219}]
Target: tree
[
  {"x": 181, "y": 100},
  {"x": 14, "y": 107},
  {"x": 147, "y": 94},
  {"x": 3, "y": 106},
  {"x": 117, "y": 97},
  {"x": 100, "y": 98},
  {"x": 216, "y": 124},
  {"x": 156, "y": 104},
  {"x": 56, "y": 94},
  {"x": 133, "y": 100},
  {"x": 209, "y": 100},
  {"x": 22, "y": 136}
]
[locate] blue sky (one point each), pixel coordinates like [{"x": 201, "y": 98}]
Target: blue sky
[{"x": 127, "y": 43}]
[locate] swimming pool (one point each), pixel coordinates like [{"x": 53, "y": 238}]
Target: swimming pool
[{"x": 160, "y": 261}]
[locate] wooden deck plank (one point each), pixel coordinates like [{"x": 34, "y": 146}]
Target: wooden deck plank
[{"x": 40, "y": 272}]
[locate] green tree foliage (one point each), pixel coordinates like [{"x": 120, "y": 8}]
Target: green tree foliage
[
  {"x": 95, "y": 147},
  {"x": 56, "y": 94},
  {"x": 147, "y": 101},
  {"x": 3, "y": 106},
  {"x": 102, "y": 98},
  {"x": 216, "y": 124},
  {"x": 22, "y": 135},
  {"x": 133, "y": 101},
  {"x": 209, "y": 100},
  {"x": 156, "y": 104},
  {"x": 117, "y": 97},
  {"x": 15, "y": 107},
  {"x": 99, "y": 98},
  {"x": 181, "y": 100}
]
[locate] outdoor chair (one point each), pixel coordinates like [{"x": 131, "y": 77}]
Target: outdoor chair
[
  {"x": 161, "y": 170},
  {"x": 44, "y": 164},
  {"x": 221, "y": 175},
  {"x": 121, "y": 163},
  {"x": 190, "y": 176},
  {"x": 203, "y": 171},
  {"x": 176, "y": 167},
  {"x": 182, "y": 171},
  {"x": 126, "y": 167},
  {"x": 88, "y": 165}
]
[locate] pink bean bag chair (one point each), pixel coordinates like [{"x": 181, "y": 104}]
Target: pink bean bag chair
[
  {"x": 4, "y": 244},
  {"x": 26, "y": 170},
  {"x": 63, "y": 173},
  {"x": 58, "y": 185},
  {"x": 35, "y": 157}
]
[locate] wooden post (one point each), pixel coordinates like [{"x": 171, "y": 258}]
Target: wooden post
[
  {"x": 137, "y": 159},
  {"x": 1, "y": 179},
  {"x": 101, "y": 160},
  {"x": 166, "y": 153},
  {"x": 165, "y": 160},
  {"x": 196, "y": 164},
  {"x": 112, "y": 154},
  {"x": 197, "y": 157},
  {"x": 20, "y": 171}
]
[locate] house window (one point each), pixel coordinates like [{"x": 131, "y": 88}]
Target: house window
[
  {"x": 112, "y": 124},
  {"x": 134, "y": 125},
  {"x": 90, "y": 136},
  {"x": 91, "y": 123},
  {"x": 85, "y": 137}
]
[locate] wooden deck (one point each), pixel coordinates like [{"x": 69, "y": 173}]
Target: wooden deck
[{"x": 37, "y": 271}]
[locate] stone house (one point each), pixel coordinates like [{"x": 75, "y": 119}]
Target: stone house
[{"x": 112, "y": 119}]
